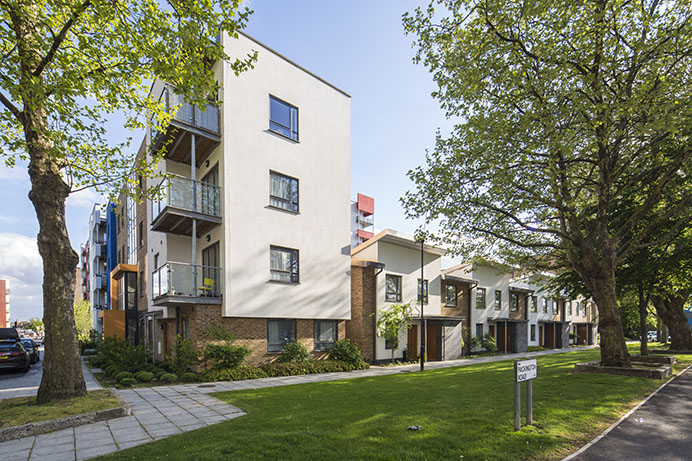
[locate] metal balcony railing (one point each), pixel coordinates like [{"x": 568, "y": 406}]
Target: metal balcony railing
[
  {"x": 207, "y": 119},
  {"x": 180, "y": 279},
  {"x": 189, "y": 194}
]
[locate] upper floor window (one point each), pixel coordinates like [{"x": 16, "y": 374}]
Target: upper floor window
[
  {"x": 584, "y": 309},
  {"x": 423, "y": 291},
  {"x": 545, "y": 305},
  {"x": 514, "y": 302},
  {"x": 283, "y": 264},
  {"x": 555, "y": 306},
  {"x": 480, "y": 298},
  {"x": 534, "y": 304},
  {"x": 283, "y": 118},
  {"x": 569, "y": 307},
  {"x": 498, "y": 300},
  {"x": 283, "y": 192},
  {"x": 451, "y": 295},
  {"x": 392, "y": 288}
]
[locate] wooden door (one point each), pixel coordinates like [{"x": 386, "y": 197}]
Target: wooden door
[
  {"x": 508, "y": 329},
  {"x": 413, "y": 342},
  {"x": 500, "y": 339},
  {"x": 550, "y": 336},
  {"x": 432, "y": 342},
  {"x": 491, "y": 329},
  {"x": 582, "y": 335}
]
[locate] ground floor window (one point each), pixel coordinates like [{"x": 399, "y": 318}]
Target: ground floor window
[
  {"x": 185, "y": 328},
  {"x": 479, "y": 330},
  {"x": 533, "y": 332},
  {"x": 325, "y": 334},
  {"x": 279, "y": 333}
]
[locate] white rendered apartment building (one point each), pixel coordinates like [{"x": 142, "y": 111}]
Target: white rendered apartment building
[
  {"x": 253, "y": 231},
  {"x": 96, "y": 275}
]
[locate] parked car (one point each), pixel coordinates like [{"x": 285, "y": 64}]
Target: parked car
[
  {"x": 32, "y": 348},
  {"x": 14, "y": 356},
  {"x": 9, "y": 334}
]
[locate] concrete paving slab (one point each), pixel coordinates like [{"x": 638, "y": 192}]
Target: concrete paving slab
[{"x": 95, "y": 451}]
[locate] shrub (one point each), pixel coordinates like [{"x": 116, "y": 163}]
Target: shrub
[
  {"x": 488, "y": 343},
  {"x": 236, "y": 374},
  {"x": 95, "y": 361},
  {"x": 346, "y": 351},
  {"x": 169, "y": 377},
  {"x": 280, "y": 369},
  {"x": 144, "y": 376},
  {"x": 535, "y": 348},
  {"x": 225, "y": 356},
  {"x": 160, "y": 373},
  {"x": 112, "y": 370},
  {"x": 294, "y": 352},
  {"x": 122, "y": 375},
  {"x": 185, "y": 355},
  {"x": 189, "y": 377},
  {"x": 127, "y": 382},
  {"x": 121, "y": 353}
]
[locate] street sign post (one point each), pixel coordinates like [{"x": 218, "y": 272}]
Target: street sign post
[{"x": 524, "y": 370}]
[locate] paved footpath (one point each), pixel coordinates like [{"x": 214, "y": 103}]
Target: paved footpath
[
  {"x": 660, "y": 429},
  {"x": 159, "y": 412}
]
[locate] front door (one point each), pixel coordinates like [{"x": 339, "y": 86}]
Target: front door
[
  {"x": 413, "y": 342},
  {"x": 491, "y": 330},
  {"x": 581, "y": 335},
  {"x": 500, "y": 339},
  {"x": 433, "y": 342},
  {"x": 550, "y": 336}
]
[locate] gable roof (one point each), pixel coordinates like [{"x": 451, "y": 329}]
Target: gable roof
[{"x": 396, "y": 238}]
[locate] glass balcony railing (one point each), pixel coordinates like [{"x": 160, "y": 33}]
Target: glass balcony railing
[
  {"x": 207, "y": 119},
  {"x": 180, "y": 279},
  {"x": 189, "y": 194}
]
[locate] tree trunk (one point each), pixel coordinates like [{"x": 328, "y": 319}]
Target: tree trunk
[
  {"x": 643, "y": 301},
  {"x": 670, "y": 310},
  {"x": 62, "y": 365},
  {"x": 613, "y": 348}
]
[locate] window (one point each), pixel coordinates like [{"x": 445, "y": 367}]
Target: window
[
  {"x": 283, "y": 118},
  {"x": 283, "y": 264},
  {"x": 141, "y": 284},
  {"x": 584, "y": 308},
  {"x": 185, "y": 328},
  {"x": 533, "y": 332},
  {"x": 141, "y": 234},
  {"x": 392, "y": 288},
  {"x": 451, "y": 295},
  {"x": 534, "y": 304},
  {"x": 156, "y": 261},
  {"x": 555, "y": 306},
  {"x": 391, "y": 344},
  {"x": 283, "y": 192},
  {"x": 479, "y": 330},
  {"x": 279, "y": 333},
  {"x": 423, "y": 291},
  {"x": 480, "y": 298},
  {"x": 514, "y": 302},
  {"x": 498, "y": 300},
  {"x": 545, "y": 305},
  {"x": 569, "y": 307},
  {"x": 325, "y": 334}
]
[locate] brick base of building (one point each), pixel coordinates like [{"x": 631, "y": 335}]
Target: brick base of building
[{"x": 248, "y": 332}]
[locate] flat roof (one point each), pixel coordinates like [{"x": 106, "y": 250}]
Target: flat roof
[{"x": 397, "y": 238}]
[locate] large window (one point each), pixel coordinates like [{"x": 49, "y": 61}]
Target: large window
[
  {"x": 185, "y": 327},
  {"x": 283, "y": 192},
  {"x": 325, "y": 334},
  {"x": 584, "y": 309},
  {"x": 283, "y": 118},
  {"x": 450, "y": 295},
  {"x": 423, "y": 291},
  {"x": 514, "y": 302},
  {"x": 392, "y": 288},
  {"x": 545, "y": 305},
  {"x": 279, "y": 333},
  {"x": 534, "y": 304},
  {"x": 283, "y": 264},
  {"x": 555, "y": 306},
  {"x": 533, "y": 332},
  {"x": 480, "y": 298},
  {"x": 479, "y": 330},
  {"x": 498, "y": 300},
  {"x": 569, "y": 307}
]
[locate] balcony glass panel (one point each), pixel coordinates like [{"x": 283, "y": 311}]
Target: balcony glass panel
[
  {"x": 180, "y": 279},
  {"x": 189, "y": 194},
  {"x": 206, "y": 118}
]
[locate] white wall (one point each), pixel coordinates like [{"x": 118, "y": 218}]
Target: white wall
[{"x": 491, "y": 279}]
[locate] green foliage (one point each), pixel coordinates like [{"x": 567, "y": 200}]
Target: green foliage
[
  {"x": 168, "y": 377},
  {"x": 391, "y": 321},
  {"x": 144, "y": 376},
  {"x": 184, "y": 355},
  {"x": 225, "y": 355},
  {"x": 189, "y": 377},
  {"x": 475, "y": 342},
  {"x": 123, "y": 374},
  {"x": 35, "y": 324},
  {"x": 216, "y": 332},
  {"x": 236, "y": 374},
  {"x": 488, "y": 343},
  {"x": 82, "y": 319},
  {"x": 121, "y": 354},
  {"x": 345, "y": 350},
  {"x": 294, "y": 352},
  {"x": 534, "y": 349},
  {"x": 127, "y": 382}
]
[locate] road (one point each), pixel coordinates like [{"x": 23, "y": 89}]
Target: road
[{"x": 12, "y": 381}]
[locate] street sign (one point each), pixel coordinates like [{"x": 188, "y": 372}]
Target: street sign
[{"x": 525, "y": 370}]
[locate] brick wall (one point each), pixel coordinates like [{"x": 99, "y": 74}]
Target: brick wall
[{"x": 360, "y": 329}]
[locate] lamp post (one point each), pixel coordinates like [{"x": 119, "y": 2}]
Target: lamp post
[{"x": 420, "y": 302}]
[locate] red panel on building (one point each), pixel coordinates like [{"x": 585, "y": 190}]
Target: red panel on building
[
  {"x": 364, "y": 234},
  {"x": 366, "y": 204}
]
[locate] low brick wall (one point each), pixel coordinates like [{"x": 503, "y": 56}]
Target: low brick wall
[
  {"x": 662, "y": 372},
  {"x": 666, "y": 351},
  {"x": 52, "y": 425},
  {"x": 666, "y": 359}
]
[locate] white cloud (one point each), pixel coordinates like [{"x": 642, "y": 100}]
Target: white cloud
[
  {"x": 21, "y": 264},
  {"x": 16, "y": 175},
  {"x": 8, "y": 219},
  {"x": 86, "y": 198}
]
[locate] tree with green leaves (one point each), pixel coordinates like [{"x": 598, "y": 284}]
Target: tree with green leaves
[
  {"x": 565, "y": 109},
  {"x": 82, "y": 318},
  {"x": 65, "y": 65},
  {"x": 391, "y": 322},
  {"x": 35, "y": 324}
]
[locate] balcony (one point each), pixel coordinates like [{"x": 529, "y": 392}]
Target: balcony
[
  {"x": 179, "y": 283},
  {"x": 186, "y": 199},
  {"x": 188, "y": 120}
]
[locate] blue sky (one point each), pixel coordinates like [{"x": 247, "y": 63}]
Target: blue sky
[{"x": 358, "y": 46}]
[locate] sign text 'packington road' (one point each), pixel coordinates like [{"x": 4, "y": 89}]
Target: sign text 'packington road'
[{"x": 526, "y": 369}]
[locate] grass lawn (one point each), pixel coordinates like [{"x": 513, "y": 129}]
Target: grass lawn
[
  {"x": 23, "y": 410},
  {"x": 466, "y": 413}
]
